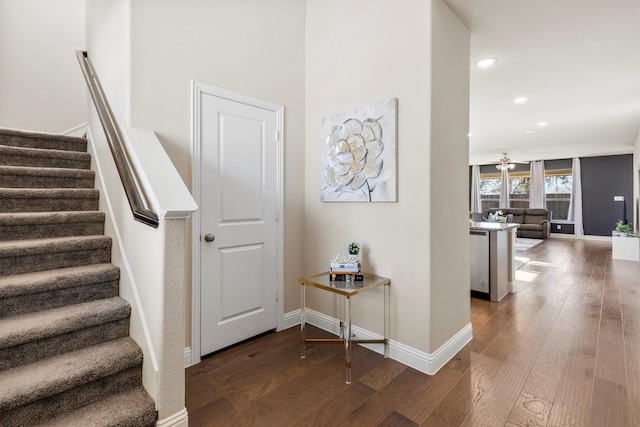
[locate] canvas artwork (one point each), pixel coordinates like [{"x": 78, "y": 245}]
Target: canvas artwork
[{"x": 359, "y": 154}]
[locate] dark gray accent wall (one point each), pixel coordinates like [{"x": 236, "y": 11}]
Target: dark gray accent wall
[
  {"x": 602, "y": 178},
  {"x": 558, "y": 164},
  {"x": 520, "y": 167}
]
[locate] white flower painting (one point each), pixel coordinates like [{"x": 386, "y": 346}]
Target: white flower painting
[{"x": 359, "y": 154}]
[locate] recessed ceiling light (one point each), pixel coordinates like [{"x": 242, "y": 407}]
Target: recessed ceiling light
[
  {"x": 542, "y": 124},
  {"x": 529, "y": 132},
  {"x": 486, "y": 62},
  {"x": 520, "y": 99}
]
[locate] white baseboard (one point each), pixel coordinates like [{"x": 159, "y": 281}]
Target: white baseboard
[
  {"x": 187, "y": 357},
  {"x": 563, "y": 236},
  {"x": 596, "y": 238},
  {"x": 179, "y": 419},
  {"x": 583, "y": 237},
  {"x": 79, "y": 130},
  {"x": 428, "y": 363},
  {"x": 291, "y": 319}
]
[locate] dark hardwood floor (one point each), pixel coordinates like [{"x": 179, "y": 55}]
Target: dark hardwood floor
[{"x": 563, "y": 351}]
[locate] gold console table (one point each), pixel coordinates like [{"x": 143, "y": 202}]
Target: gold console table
[{"x": 347, "y": 289}]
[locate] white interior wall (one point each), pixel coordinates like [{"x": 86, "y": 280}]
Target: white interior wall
[
  {"x": 450, "y": 303},
  {"x": 109, "y": 49},
  {"x": 41, "y": 85}
]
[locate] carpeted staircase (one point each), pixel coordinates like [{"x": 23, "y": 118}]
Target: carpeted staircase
[{"x": 66, "y": 358}]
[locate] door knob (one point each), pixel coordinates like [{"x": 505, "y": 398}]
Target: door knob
[{"x": 209, "y": 237}]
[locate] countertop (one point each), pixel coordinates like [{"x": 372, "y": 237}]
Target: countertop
[{"x": 492, "y": 226}]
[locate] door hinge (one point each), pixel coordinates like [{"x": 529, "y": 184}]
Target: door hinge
[
  {"x": 277, "y": 295},
  {"x": 277, "y": 132}
]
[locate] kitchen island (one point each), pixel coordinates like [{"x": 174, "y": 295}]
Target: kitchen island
[{"x": 492, "y": 259}]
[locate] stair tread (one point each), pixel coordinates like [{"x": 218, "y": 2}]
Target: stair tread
[
  {"x": 50, "y": 193},
  {"x": 46, "y": 377},
  {"x": 29, "y": 327},
  {"x": 58, "y": 217},
  {"x": 43, "y": 152},
  {"x": 37, "y": 246},
  {"x": 43, "y": 171},
  {"x": 132, "y": 407},
  {"x": 43, "y": 137},
  {"x": 48, "y": 280}
]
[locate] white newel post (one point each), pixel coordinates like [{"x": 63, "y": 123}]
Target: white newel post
[{"x": 171, "y": 389}]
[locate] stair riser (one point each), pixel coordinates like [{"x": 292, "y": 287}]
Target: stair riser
[
  {"x": 45, "y": 162},
  {"x": 48, "y": 347},
  {"x": 38, "y": 231},
  {"x": 26, "y": 141},
  {"x": 34, "y": 181},
  {"x": 8, "y": 205},
  {"x": 50, "y": 261},
  {"x": 43, "y": 409},
  {"x": 23, "y": 304}
]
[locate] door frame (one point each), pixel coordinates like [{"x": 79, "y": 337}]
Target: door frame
[{"x": 198, "y": 89}]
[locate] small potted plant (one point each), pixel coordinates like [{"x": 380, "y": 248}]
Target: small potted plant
[
  {"x": 354, "y": 248},
  {"x": 622, "y": 228}
]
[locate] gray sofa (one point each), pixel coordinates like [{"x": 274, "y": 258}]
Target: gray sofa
[{"x": 534, "y": 222}]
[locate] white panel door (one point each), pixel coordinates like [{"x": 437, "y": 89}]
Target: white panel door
[{"x": 237, "y": 221}]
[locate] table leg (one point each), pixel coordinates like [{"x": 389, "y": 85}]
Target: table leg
[
  {"x": 341, "y": 325},
  {"x": 387, "y": 310},
  {"x": 302, "y": 322},
  {"x": 347, "y": 340}
]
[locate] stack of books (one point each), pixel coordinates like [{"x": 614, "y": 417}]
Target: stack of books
[{"x": 345, "y": 271}]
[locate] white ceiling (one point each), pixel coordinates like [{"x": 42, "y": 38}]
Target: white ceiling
[{"x": 578, "y": 62}]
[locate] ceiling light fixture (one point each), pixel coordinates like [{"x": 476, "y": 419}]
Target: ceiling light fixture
[
  {"x": 520, "y": 99},
  {"x": 506, "y": 163},
  {"x": 543, "y": 124},
  {"x": 505, "y": 166},
  {"x": 486, "y": 62}
]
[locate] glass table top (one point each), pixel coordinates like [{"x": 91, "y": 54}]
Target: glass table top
[{"x": 346, "y": 288}]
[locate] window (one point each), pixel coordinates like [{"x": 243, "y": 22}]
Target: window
[
  {"x": 558, "y": 184},
  {"x": 557, "y": 188},
  {"x": 489, "y": 191},
  {"x": 518, "y": 190}
]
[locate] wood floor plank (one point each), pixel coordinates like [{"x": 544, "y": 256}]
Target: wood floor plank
[
  {"x": 337, "y": 407},
  {"x": 572, "y": 405},
  {"x": 610, "y": 404},
  {"x": 397, "y": 420},
  {"x": 428, "y": 394},
  {"x": 382, "y": 374},
  {"x": 379, "y": 406},
  {"x": 534, "y": 402},
  {"x": 456, "y": 405},
  {"x": 610, "y": 358}
]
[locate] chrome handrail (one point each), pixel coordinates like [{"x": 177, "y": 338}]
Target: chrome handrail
[{"x": 116, "y": 143}]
